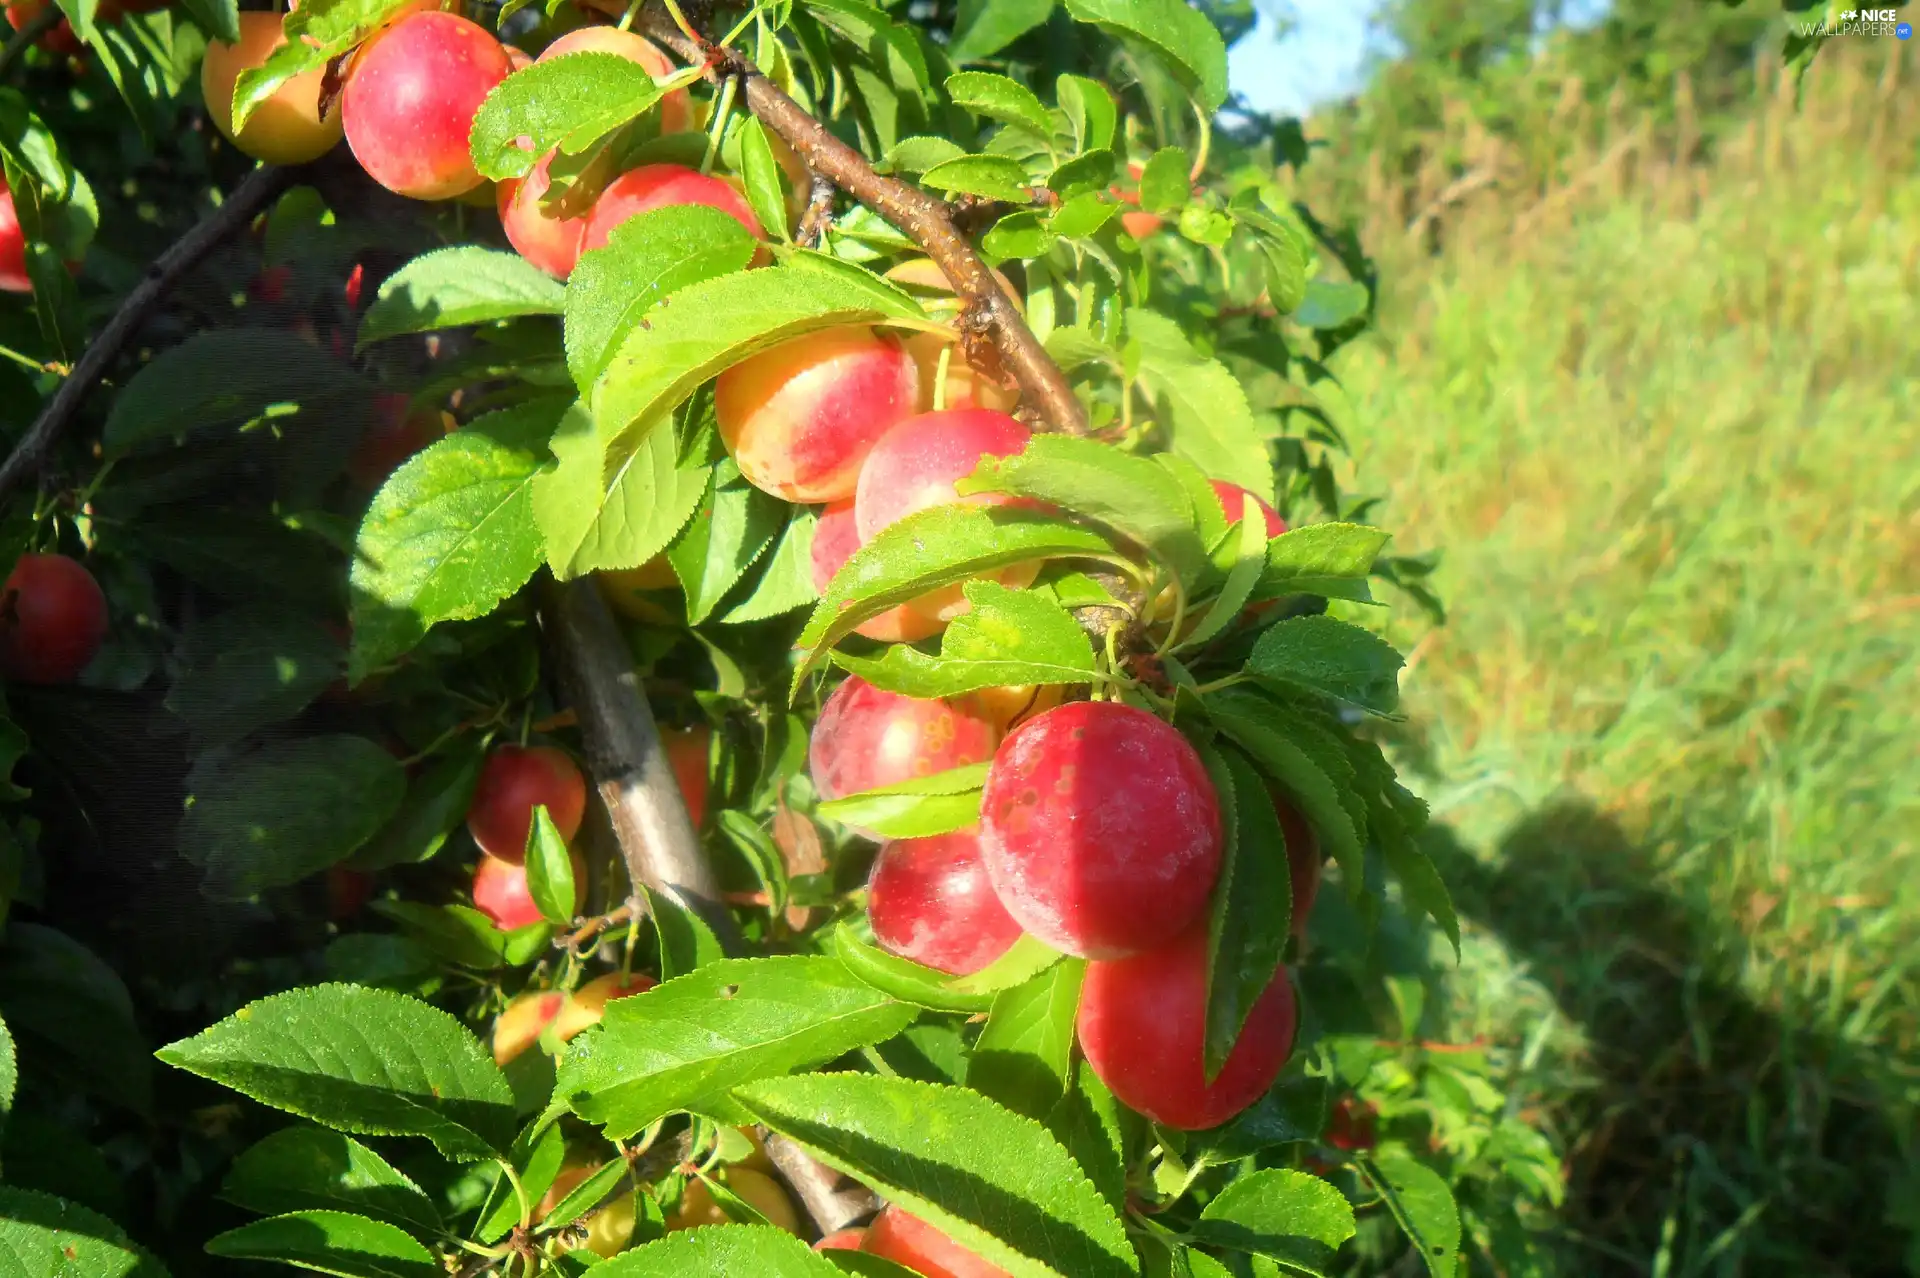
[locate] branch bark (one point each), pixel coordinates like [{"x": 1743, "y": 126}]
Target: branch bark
[
  {"x": 624, "y": 755},
  {"x": 928, "y": 220},
  {"x": 833, "y": 1201},
  {"x": 240, "y": 207}
]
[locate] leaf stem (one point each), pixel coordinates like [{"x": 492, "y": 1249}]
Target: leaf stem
[
  {"x": 519, "y": 1192},
  {"x": 721, "y": 114}
]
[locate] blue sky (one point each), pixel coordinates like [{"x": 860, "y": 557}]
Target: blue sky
[{"x": 1322, "y": 58}]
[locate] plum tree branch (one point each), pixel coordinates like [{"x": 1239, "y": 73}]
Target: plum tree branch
[
  {"x": 928, "y": 220},
  {"x": 624, "y": 755},
  {"x": 241, "y": 206},
  {"x": 833, "y": 1201}
]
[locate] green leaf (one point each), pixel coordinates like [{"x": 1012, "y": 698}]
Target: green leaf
[
  {"x": 646, "y": 259},
  {"x": 450, "y": 535},
  {"x": 994, "y": 177},
  {"x": 359, "y": 1060},
  {"x": 218, "y": 18},
  {"x": 984, "y": 27},
  {"x": 686, "y": 942},
  {"x": 1021, "y": 234},
  {"x": 1322, "y": 559},
  {"x": 463, "y": 285},
  {"x": 1331, "y": 304},
  {"x": 724, "y": 1251},
  {"x": 1090, "y": 109},
  {"x": 1024, "y": 1056},
  {"x": 761, "y": 173},
  {"x": 330, "y": 1242},
  {"x": 1421, "y": 1202},
  {"x": 539, "y": 1152},
  {"x": 1026, "y": 960},
  {"x": 1008, "y": 638},
  {"x": 1129, "y": 494},
  {"x": 66, "y": 1006},
  {"x": 686, "y": 1042},
  {"x": 247, "y": 668},
  {"x": 933, "y": 548},
  {"x": 1395, "y": 818},
  {"x": 995, "y": 1182},
  {"x": 1252, "y": 907},
  {"x": 1081, "y": 215},
  {"x": 1092, "y": 1126},
  {"x": 1330, "y": 658},
  {"x": 228, "y": 377},
  {"x": 1312, "y": 770},
  {"x": 46, "y": 1237},
  {"x": 277, "y": 814},
  {"x": 918, "y": 153},
  {"x": 706, "y": 327},
  {"x": 914, "y": 808},
  {"x": 1201, "y": 404},
  {"x": 732, "y": 528},
  {"x": 589, "y": 1193},
  {"x": 307, "y": 1168},
  {"x": 436, "y": 804},
  {"x": 1165, "y": 184},
  {"x": 1187, "y": 41},
  {"x": 1000, "y": 98},
  {"x": 901, "y": 978},
  {"x": 1287, "y": 1215},
  {"x": 317, "y": 33},
  {"x": 462, "y": 935},
  {"x": 549, "y": 869},
  {"x": 1241, "y": 578},
  {"x": 569, "y": 102},
  {"x": 786, "y": 582},
  {"x": 9, "y": 1074},
  {"x": 1293, "y": 1110},
  {"x": 598, "y": 510},
  {"x": 1087, "y": 177}
]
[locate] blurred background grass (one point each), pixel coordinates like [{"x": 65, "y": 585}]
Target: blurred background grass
[{"x": 1648, "y": 377}]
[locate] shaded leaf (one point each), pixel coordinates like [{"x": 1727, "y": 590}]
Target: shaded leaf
[
  {"x": 454, "y": 286},
  {"x": 307, "y": 1168},
  {"x": 1330, "y": 658},
  {"x": 1287, "y": 1215},
  {"x": 330, "y": 1242}
]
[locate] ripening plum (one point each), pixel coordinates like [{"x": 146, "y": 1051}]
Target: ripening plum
[
  {"x": 412, "y": 92},
  {"x": 687, "y": 751},
  {"x": 514, "y": 781},
  {"x": 1231, "y": 501},
  {"x": 53, "y": 618},
  {"x": 589, "y": 1002},
  {"x": 522, "y": 1021},
  {"x": 289, "y": 127},
  {"x": 13, "y": 246},
  {"x": 676, "y": 113},
  {"x": 1101, "y": 829},
  {"x": 866, "y": 738},
  {"x": 842, "y": 1240},
  {"x": 501, "y": 891},
  {"x": 348, "y": 892},
  {"x": 397, "y": 432},
  {"x": 1303, "y": 862},
  {"x": 910, "y": 1241},
  {"x": 655, "y": 186},
  {"x": 1007, "y": 708},
  {"x": 543, "y": 236},
  {"x": 966, "y": 386},
  {"x": 610, "y": 1228},
  {"x": 930, "y": 901},
  {"x": 834, "y": 540},
  {"x": 698, "y": 1207},
  {"x": 1142, "y": 1025},
  {"x": 801, "y": 418}
]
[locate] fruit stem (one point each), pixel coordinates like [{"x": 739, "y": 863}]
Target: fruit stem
[
  {"x": 940, "y": 377},
  {"x": 1206, "y": 141},
  {"x": 633, "y": 11},
  {"x": 721, "y": 115}
]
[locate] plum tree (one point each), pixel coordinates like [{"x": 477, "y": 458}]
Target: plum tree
[
  {"x": 1101, "y": 829},
  {"x": 698, "y": 1207},
  {"x": 1142, "y": 1025},
  {"x": 908, "y": 1240},
  {"x": 13, "y": 246},
  {"x": 515, "y": 780},
  {"x": 834, "y": 540},
  {"x": 865, "y": 738},
  {"x": 929, "y": 900},
  {"x": 412, "y": 92},
  {"x": 801, "y": 417},
  {"x": 609, "y": 1227},
  {"x": 289, "y": 127},
  {"x": 1231, "y": 502},
  {"x": 522, "y": 1021},
  {"x": 53, "y": 617},
  {"x": 656, "y": 186},
  {"x": 589, "y": 1003},
  {"x": 501, "y": 891}
]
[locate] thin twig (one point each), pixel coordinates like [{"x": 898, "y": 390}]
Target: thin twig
[
  {"x": 833, "y": 1201},
  {"x": 41, "y": 23},
  {"x": 927, "y": 219},
  {"x": 239, "y": 208},
  {"x": 626, "y": 759}
]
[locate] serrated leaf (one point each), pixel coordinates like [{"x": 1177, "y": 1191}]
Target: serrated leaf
[
  {"x": 549, "y": 869},
  {"x": 984, "y": 27},
  {"x": 450, "y": 534},
  {"x": 730, "y": 530},
  {"x": 46, "y": 1237},
  {"x": 723, "y": 1251},
  {"x": 1092, "y": 1126},
  {"x": 1126, "y": 493},
  {"x": 1322, "y": 559},
  {"x": 1027, "y": 959},
  {"x": 1331, "y": 658},
  {"x": 1081, "y": 215},
  {"x": 1241, "y": 578},
  {"x": 598, "y": 509},
  {"x": 900, "y": 978},
  {"x": 915, "y": 808},
  {"x": 1201, "y": 404},
  {"x": 1294, "y": 1109},
  {"x": 539, "y": 1152},
  {"x": 1395, "y": 818},
  {"x": 686, "y": 942},
  {"x": 1186, "y": 40},
  {"x": 994, "y": 177},
  {"x": 589, "y": 1193},
  {"x": 685, "y": 1042},
  {"x": 1007, "y": 638},
  {"x": 307, "y": 1168},
  {"x": 1021, "y": 234},
  {"x": 647, "y": 258},
  {"x": 995, "y": 1182},
  {"x": 933, "y": 548},
  {"x": 786, "y": 582},
  {"x": 64, "y": 1003},
  {"x": 317, "y": 33},
  {"x": 278, "y": 814},
  {"x": 1085, "y": 177},
  {"x": 1313, "y": 771},
  {"x": 359, "y": 1060},
  {"x": 330, "y": 1242},
  {"x": 436, "y": 803},
  {"x": 9, "y": 1075},
  {"x": 761, "y": 174},
  {"x": 462, "y": 285},
  {"x": 919, "y": 153},
  {"x": 1421, "y": 1202},
  {"x": 569, "y": 102},
  {"x": 249, "y": 667},
  {"x": 1289, "y": 1216},
  {"x": 1090, "y": 109},
  {"x": 999, "y": 98},
  {"x": 1023, "y": 1058},
  {"x": 1252, "y": 906},
  {"x": 1165, "y": 186}
]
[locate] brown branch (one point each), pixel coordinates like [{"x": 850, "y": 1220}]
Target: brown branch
[
  {"x": 625, "y": 757},
  {"x": 240, "y": 207},
  {"x": 819, "y": 214},
  {"x": 925, "y": 218},
  {"x": 833, "y": 1201}
]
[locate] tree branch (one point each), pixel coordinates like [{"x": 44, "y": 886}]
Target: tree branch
[
  {"x": 240, "y": 207},
  {"x": 925, "y": 218},
  {"x": 41, "y": 23},
  {"x": 627, "y": 761},
  {"x": 832, "y": 1200}
]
